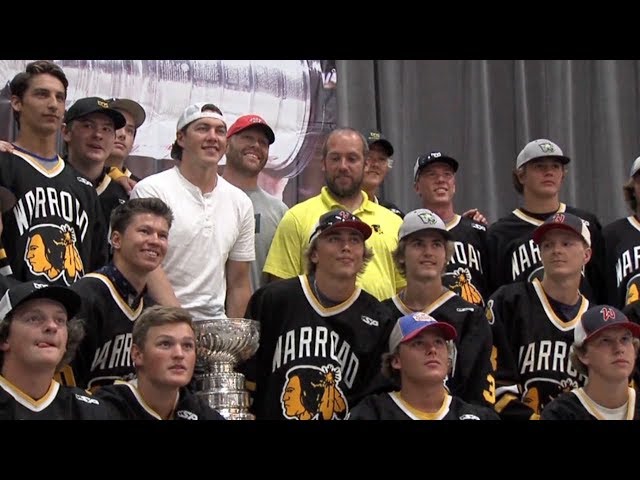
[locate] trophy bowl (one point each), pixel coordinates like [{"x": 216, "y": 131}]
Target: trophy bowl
[{"x": 222, "y": 343}]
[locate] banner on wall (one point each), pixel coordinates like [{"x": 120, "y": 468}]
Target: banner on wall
[{"x": 296, "y": 97}]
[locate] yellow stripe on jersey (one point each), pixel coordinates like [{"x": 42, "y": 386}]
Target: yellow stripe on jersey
[
  {"x": 551, "y": 315},
  {"x": 47, "y": 172},
  {"x": 124, "y": 306},
  {"x": 534, "y": 221}
]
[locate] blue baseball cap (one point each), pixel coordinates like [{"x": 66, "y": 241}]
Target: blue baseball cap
[{"x": 409, "y": 326}]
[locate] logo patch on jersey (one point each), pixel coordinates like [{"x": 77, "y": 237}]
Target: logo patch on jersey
[
  {"x": 52, "y": 252},
  {"x": 85, "y": 181},
  {"x": 84, "y": 398},
  {"x": 459, "y": 281},
  {"x": 469, "y": 416},
  {"x": 370, "y": 321},
  {"x": 488, "y": 312},
  {"x": 633, "y": 290},
  {"x": 477, "y": 226},
  {"x": 312, "y": 393},
  {"x": 540, "y": 391},
  {"x": 186, "y": 414}
]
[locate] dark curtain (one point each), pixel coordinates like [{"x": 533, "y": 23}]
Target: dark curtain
[{"x": 483, "y": 112}]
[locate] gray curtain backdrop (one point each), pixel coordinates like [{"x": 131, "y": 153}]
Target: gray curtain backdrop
[{"x": 483, "y": 112}]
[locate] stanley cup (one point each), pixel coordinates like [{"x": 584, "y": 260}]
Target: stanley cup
[{"x": 221, "y": 344}]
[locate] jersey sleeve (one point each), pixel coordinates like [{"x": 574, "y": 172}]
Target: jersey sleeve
[
  {"x": 508, "y": 391},
  {"x": 474, "y": 360}
]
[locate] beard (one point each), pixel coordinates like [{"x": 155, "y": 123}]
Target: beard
[{"x": 343, "y": 192}]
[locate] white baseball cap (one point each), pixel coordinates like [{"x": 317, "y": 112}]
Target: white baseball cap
[
  {"x": 541, "y": 148},
  {"x": 419, "y": 220}
]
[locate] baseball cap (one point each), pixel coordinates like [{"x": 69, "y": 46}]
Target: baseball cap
[
  {"x": 375, "y": 137},
  {"x": 566, "y": 221},
  {"x": 599, "y": 318},
  {"x": 409, "y": 326},
  {"x": 196, "y": 112},
  {"x": 133, "y": 108},
  {"x": 540, "y": 148},
  {"x": 635, "y": 167},
  {"x": 433, "y": 157},
  {"x": 248, "y": 121},
  {"x": 191, "y": 114},
  {"x": 25, "y": 291},
  {"x": 419, "y": 220},
  {"x": 339, "y": 219},
  {"x": 86, "y": 106}
]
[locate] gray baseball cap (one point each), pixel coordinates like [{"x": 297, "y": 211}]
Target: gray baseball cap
[
  {"x": 419, "y": 220},
  {"x": 541, "y": 148}
]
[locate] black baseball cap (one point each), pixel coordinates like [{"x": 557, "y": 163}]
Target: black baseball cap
[
  {"x": 374, "y": 137},
  {"x": 433, "y": 157},
  {"x": 339, "y": 219},
  {"x": 133, "y": 108},
  {"x": 18, "y": 294},
  {"x": 86, "y": 106}
]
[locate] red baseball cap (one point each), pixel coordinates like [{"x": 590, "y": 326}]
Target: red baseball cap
[{"x": 248, "y": 121}]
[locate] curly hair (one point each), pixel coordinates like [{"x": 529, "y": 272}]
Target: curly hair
[
  {"x": 575, "y": 352},
  {"x": 75, "y": 334},
  {"x": 393, "y": 374},
  {"x": 311, "y": 267},
  {"x": 629, "y": 192},
  {"x": 398, "y": 255}
]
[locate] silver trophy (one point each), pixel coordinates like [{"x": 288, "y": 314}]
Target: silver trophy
[{"x": 221, "y": 344}]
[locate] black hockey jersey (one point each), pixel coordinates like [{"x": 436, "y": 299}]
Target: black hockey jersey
[
  {"x": 111, "y": 195},
  {"x": 515, "y": 257},
  {"x": 576, "y": 405},
  {"x": 472, "y": 376},
  {"x": 467, "y": 271},
  {"x": 391, "y": 406},
  {"x": 622, "y": 261},
  {"x": 531, "y": 348},
  {"x": 59, "y": 403},
  {"x": 313, "y": 363},
  {"x": 110, "y": 306},
  {"x": 55, "y": 232},
  {"x": 124, "y": 402}
]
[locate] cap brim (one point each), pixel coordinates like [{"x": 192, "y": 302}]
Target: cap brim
[
  {"x": 539, "y": 232},
  {"x": 631, "y": 326},
  {"x": 363, "y": 228},
  {"x": 446, "y": 330},
  {"x": 133, "y": 108},
  {"x": 385, "y": 144},
  {"x": 68, "y": 298},
  {"x": 118, "y": 119},
  {"x": 452, "y": 162},
  {"x": 445, "y": 233}
]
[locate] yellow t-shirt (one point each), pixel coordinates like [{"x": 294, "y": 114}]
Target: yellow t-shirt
[{"x": 286, "y": 254}]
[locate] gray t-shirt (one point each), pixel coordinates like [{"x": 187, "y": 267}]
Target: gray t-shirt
[{"x": 268, "y": 211}]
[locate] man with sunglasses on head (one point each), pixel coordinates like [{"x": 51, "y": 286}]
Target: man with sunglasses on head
[{"x": 321, "y": 336}]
